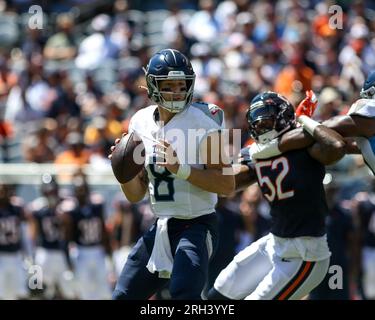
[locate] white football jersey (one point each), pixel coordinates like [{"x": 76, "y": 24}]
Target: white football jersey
[
  {"x": 365, "y": 108},
  {"x": 169, "y": 195}
]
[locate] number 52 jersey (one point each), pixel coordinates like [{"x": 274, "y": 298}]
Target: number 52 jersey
[
  {"x": 170, "y": 196},
  {"x": 293, "y": 185}
]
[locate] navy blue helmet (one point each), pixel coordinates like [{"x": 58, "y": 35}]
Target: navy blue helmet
[
  {"x": 368, "y": 89},
  {"x": 169, "y": 64},
  {"x": 269, "y": 116}
]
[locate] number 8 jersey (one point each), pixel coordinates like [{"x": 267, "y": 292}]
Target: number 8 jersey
[{"x": 170, "y": 196}]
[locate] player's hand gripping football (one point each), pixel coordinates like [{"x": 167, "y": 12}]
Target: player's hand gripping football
[
  {"x": 308, "y": 105},
  {"x": 167, "y": 157},
  {"x": 114, "y": 146}
]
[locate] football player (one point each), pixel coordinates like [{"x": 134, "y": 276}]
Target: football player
[
  {"x": 359, "y": 123},
  {"x": 86, "y": 230},
  {"x": 13, "y": 277},
  {"x": 47, "y": 232},
  {"x": 183, "y": 180},
  {"x": 294, "y": 257}
]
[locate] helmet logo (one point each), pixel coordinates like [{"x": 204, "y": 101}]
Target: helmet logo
[{"x": 176, "y": 73}]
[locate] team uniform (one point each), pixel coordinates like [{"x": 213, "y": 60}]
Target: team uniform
[
  {"x": 294, "y": 257},
  {"x": 13, "y": 277},
  {"x": 89, "y": 256},
  {"x": 51, "y": 251},
  {"x": 179, "y": 244},
  {"x": 365, "y": 108}
]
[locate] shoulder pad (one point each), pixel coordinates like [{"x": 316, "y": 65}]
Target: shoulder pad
[
  {"x": 359, "y": 104},
  {"x": 211, "y": 110}
]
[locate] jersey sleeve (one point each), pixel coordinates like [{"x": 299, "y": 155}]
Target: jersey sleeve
[
  {"x": 213, "y": 112},
  {"x": 132, "y": 124},
  {"x": 363, "y": 107}
]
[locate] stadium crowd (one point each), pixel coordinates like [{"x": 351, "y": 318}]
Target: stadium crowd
[{"x": 69, "y": 89}]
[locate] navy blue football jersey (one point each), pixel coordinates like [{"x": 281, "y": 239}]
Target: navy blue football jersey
[
  {"x": 88, "y": 224},
  {"x": 50, "y": 228},
  {"x": 293, "y": 185},
  {"x": 10, "y": 228}
]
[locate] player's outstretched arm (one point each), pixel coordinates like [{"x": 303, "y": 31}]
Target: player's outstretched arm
[
  {"x": 352, "y": 126},
  {"x": 330, "y": 146},
  {"x": 295, "y": 139}
]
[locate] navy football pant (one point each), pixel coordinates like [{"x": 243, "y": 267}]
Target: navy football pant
[{"x": 192, "y": 241}]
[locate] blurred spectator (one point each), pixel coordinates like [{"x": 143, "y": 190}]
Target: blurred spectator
[
  {"x": 97, "y": 47},
  {"x": 33, "y": 43},
  {"x": 64, "y": 97},
  {"x": 40, "y": 147},
  {"x": 173, "y": 27},
  {"x": 62, "y": 45},
  {"x": 204, "y": 26},
  {"x": 8, "y": 79},
  {"x": 329, "y": 104},
  {"x": 294, "y": 78},
  {"x": 76, "y": 153}
]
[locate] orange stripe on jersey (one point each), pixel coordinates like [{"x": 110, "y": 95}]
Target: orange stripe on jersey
[{"x": 301, "y": 277}]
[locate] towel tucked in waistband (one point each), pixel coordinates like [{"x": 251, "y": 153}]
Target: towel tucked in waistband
[{"x": 161, "y": 259}]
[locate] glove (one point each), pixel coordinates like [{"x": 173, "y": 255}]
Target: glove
[{"x": 308, "y": 105}]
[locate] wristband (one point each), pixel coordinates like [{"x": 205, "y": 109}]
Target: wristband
[
  {"x": 183, "y": 172},
  {"x": 308, "y": 124}
]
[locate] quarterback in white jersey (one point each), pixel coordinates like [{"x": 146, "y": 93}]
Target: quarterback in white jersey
[
  {"x": 183, "y": 174},
  {"x": 170, "y": 196}
]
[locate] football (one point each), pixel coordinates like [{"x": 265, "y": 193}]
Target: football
[{"x": 128, "y": 158}]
